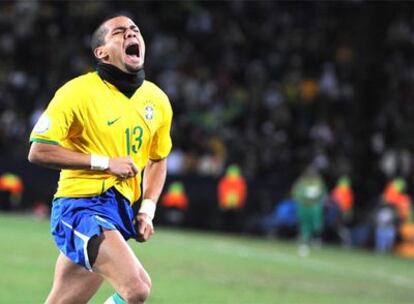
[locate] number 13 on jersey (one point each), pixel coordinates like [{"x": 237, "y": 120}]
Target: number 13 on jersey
[{"x": 133, "y": 139}]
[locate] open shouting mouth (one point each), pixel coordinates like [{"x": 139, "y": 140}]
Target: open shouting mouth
[
  {"x": 134, "y": 54},
  {"x": 132, "y": 50}
]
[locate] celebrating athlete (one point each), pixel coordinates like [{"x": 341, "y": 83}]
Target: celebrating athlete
[{"x": 103, "y": 129}]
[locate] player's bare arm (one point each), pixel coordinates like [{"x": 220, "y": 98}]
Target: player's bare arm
[
  {"x": 154, "y": 178},
  {"x": 57, "y": 157}
]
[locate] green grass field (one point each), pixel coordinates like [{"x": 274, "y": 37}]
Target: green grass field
[{"x": 195, "y": 267}]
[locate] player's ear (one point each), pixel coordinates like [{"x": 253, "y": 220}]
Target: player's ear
[{"x": 100, "y": 52}]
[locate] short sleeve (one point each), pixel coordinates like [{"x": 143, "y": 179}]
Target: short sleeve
[
  {"x": 57, "y": 121},
  {"x": 161, "y": 142}
]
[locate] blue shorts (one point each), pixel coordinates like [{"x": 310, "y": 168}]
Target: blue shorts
[{"x": 74, "y": 221}]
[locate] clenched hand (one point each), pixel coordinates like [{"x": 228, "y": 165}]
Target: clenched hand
[
  {"x": 145, "y": 229},
  {"x": 122, "y": 167}
]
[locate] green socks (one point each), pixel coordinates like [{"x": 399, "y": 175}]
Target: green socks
[{"x": 115, "y": 299}]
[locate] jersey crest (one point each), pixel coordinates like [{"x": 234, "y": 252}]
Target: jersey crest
[{"x": 149, "y": 112}]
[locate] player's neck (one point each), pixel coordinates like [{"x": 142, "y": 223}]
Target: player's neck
[{"x": 126, "y": 83}]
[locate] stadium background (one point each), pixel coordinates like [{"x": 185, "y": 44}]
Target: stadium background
[{"x": 272, "y": 86}]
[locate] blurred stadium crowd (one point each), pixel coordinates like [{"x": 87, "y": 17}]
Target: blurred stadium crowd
[{"x": 271, "y": 86}]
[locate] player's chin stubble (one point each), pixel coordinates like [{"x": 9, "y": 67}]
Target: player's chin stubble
[{"x": 132, "y": 69}]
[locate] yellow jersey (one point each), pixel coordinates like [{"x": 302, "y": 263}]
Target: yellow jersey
[{"x": 91, "y": 116}]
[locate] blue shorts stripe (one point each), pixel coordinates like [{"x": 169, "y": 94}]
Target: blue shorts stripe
[{"x": 85, "y": 240}]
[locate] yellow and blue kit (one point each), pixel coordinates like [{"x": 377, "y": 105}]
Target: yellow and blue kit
[{"x": 91, "y": 116}]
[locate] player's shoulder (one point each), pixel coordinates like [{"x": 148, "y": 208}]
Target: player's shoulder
[
  {"x": 155, "y": 92},
  {"x": 79, "y": 83}
]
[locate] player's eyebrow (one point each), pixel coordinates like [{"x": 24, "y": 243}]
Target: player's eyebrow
[{"x": 132, "y": 27}]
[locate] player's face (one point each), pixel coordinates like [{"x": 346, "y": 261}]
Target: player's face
[{"x": 124, "y": 46}]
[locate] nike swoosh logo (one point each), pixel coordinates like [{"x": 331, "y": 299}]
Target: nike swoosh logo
[{"x": 111, "y": 122}]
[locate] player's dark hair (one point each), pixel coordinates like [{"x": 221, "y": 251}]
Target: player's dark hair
[{"x": 98, "y": 36}]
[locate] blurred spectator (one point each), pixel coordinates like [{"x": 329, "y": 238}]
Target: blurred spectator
[
  {"x": 212, "y": 162},
  {"x": 283, "y": 221},
  {"x": 11, "y": 189},
  {"x": 385, "y": 225},
  {"x": 394, "y": 195},
  {"x": 174, "y": 204},
  {"x": 329, "y": 81},
  {"x": 309, "y": 192},
  {"x": 232, "y": 192},
  {"x": 392, "y": 213},
  {"x": 406, "y": 245},
  {"x": 342, "y": 201},
  {"x": 396, "y": 162},
  {"x": 343, "y": 196},
  {"x": 176, "y": 162}
]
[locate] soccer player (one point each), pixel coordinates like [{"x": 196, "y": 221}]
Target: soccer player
[
  {"x": 309, "y": 192},
  {"x": 103, "y": 129}
]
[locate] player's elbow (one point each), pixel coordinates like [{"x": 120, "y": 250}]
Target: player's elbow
[{"x": 34, "y": 156}]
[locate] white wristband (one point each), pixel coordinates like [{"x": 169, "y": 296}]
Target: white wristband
[
  {"x": 148, "y": 207},
  {"x": 99, "y": 163}
]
